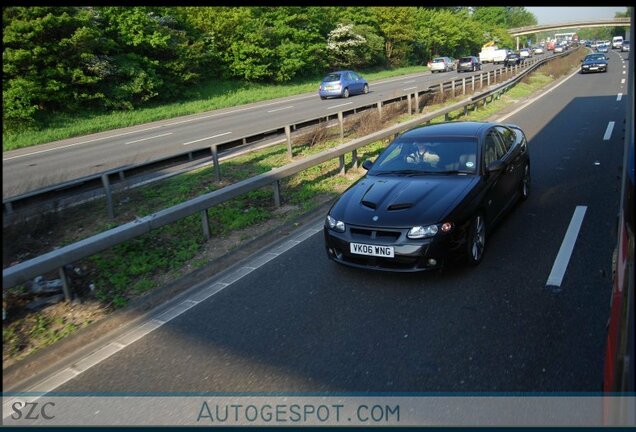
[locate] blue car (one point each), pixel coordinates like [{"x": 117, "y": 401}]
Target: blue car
[{"x": 342, "y": 84}]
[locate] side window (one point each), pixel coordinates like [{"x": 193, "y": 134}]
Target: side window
[
  {"x": 490, "y": 148},
  {"x": 507, "y": 136},
  {"x": 354, "y": 76}
]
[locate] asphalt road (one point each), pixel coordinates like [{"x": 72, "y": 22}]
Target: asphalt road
[
  {"x": 296, "y": 322},
  {"x": 32, "y": 168}
]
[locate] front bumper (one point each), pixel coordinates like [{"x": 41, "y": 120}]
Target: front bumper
[
  {"x": 599, "y": 68},
  {"x": 411, "y": 255}
]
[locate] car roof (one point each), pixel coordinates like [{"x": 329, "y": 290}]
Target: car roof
[{"x": 466, "y": 129}]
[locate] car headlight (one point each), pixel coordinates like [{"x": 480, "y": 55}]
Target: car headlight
[
  {"x": 418, "y": 232},
  {"x": 335, "y": 225}
]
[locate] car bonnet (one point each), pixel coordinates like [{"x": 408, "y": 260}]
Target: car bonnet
[{"x": 402, "y": 201}]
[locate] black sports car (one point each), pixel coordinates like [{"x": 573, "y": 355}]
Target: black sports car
[
  {"x": 433, "y": 194},
  {"x": 594, "y": 63}
]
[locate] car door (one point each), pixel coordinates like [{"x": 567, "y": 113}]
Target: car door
[
  {"x": 514, "y": 160},
  {"x": 498, "y": 182},
  {"x": 358, "y": 82}
]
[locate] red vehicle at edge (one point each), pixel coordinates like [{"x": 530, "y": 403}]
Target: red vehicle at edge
[{"x": 618, "y": 374}]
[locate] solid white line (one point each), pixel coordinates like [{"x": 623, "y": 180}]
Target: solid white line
[
  {"x": 619, "y": 97},
  {"x": 408, "y": 82},
  {"x": 207, "y": 138},
  {"x": 410, "y": 88},
  {"x": 608, "y": 131},
  {"x": 336, "y": 106},
  {"x": 563, "y": 257},
  {"x": 536, "y": 99},
  {"x": 146, "y": 139},
  {"x": 281, "y": 109}
]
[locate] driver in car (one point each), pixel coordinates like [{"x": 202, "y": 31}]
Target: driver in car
[{"x": 422, "y": 154}]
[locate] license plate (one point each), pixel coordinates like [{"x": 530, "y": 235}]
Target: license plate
[
  {"x": 372, "y": 250},
  {"x": 593, "y": 68}
]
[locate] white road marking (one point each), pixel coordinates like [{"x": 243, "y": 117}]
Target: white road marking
[
  {"x": 79, "y": 143},
  {"x": 155, "y": 127},
  {"x": 336, "y": 106},
  {"x": 537, "y": 98},
  {"x": 410, "y": 88},
  {"x": 206, "y": 138},
  {"x": 567, "y": 246},
  {"x": 281, "y": 109},
  {"x": 619, "y": 97},
  {"x": 59, "y": 378},
  {"x": 623, "y": 81},
  {"x": 608, "y": 131},
  {"x": 623, "y": 72},
  {"x": 238, "y": 110},
  {"x": 146, "y": 139},
  {"x": 408, "y": 82}
]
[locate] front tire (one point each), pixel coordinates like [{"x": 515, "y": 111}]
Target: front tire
[{"x": 476, "y": 240}]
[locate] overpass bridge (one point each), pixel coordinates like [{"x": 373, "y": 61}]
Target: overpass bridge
[{"x": 613, "y": 22}]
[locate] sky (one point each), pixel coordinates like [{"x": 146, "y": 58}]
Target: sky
[{"x": 557, "y": 14}]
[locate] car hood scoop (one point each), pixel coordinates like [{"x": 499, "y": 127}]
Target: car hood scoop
[
  {"x": 394, "y": 195},
  {"x": 402, "y": 201},
  {"x": 400, "y": 206}
]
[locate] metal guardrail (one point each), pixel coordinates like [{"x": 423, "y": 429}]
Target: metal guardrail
[
  {"x": 103, "y": 180},
  {"x": 59, "y": 258}
]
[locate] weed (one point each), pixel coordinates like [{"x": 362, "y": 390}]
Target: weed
[
  {"x": 143, "y": 285},
  {"x": 316, "y": 135}
]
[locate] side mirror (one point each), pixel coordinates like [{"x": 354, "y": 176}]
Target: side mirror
[
  {"x": 495, "y": 166},
  {"x": 367, "y": 164}
]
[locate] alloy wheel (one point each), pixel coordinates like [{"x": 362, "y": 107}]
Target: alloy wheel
[{"x": 478, "y": 240}]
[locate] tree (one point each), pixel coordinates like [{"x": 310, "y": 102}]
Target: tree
[
  {"x": 46, "y": 60},
  {"x": 397, "y": 27},
  {"x": 345, "y": 47}
]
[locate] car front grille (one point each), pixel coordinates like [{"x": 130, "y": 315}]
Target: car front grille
[{"x": 365, "y": 234}]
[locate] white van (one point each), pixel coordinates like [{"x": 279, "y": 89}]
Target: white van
[{"x": 617, "y": 42}]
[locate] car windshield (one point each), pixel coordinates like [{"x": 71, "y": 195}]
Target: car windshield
[
  {"x": 595, "y": 57},
  {"x": 331, "y": 77},
  {"x": 428, "y": 155}
]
